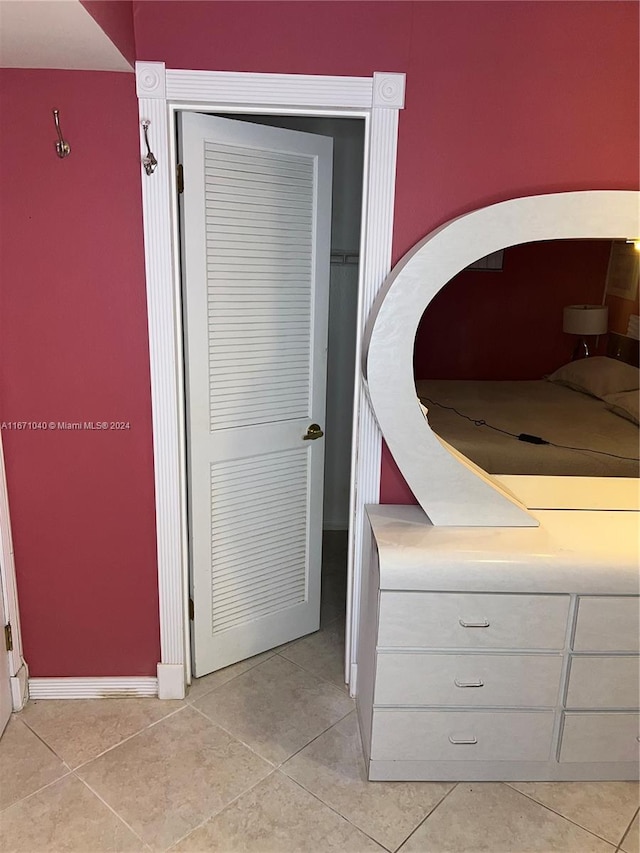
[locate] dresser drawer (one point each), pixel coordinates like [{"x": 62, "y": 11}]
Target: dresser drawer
[
  {"x": 600, "y": 737},
  {"x": 607, "y": 624},
  {"x": 461, "y": 735},
  {"x": 473, "y": 620},
  {"x": 604, "y": 682},
  {"x": 468, "y": 680}
]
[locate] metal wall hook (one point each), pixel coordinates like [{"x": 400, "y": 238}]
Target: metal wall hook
[
  {"x": 149, "y": 162},
  {"x": 63, "y": 148}
]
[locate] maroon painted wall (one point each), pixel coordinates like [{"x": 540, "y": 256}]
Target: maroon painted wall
[
  {"x": 299, "y": 37},
  {"x": 115, "y": 18},
  {"x": 508, "y": 324},
  {"x": 503, "y": 99},
  {"x": 74, "y": 348}
]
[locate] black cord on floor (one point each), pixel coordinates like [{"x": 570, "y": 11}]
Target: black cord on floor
[{"x": 531, "y": 439}]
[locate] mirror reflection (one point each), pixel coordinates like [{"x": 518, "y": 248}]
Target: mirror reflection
[{"x": 521, "y": 376}]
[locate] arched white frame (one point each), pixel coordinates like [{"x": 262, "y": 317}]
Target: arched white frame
[
  {"x": 161, "y": 94},
  {"x": 449, "y": 488}
]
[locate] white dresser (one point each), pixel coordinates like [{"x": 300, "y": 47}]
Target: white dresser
[{"x": 500, "y": 653}]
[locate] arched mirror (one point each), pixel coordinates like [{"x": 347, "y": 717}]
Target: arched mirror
[{"x": 463, "y": 418}]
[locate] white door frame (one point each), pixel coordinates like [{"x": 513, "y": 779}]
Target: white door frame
[
  {"x": 162, "y": 93},
  {"x": 18, "y": 674}
]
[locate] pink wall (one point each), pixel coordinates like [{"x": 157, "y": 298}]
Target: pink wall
[
  {"x": 503, "y": 99},
  {"x": 508, "y": 324},
  {"x": 299, "y": 37},
  {"x": 73, "y": 347},
  {"x": 115, "y": 18}
]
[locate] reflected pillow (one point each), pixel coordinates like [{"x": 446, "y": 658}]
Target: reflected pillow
[
  {"x": 626, "y": 404},
  {"x": 598, "y": 376}
]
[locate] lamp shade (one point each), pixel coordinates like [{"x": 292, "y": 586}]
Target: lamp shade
[{"x": 585, "y": 319}]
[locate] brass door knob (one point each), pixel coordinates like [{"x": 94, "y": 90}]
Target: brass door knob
[{"x": 312, "y": 433}]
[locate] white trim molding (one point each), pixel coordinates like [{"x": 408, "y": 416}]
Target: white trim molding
[
  {"x": 161, "y": 93},
  {"x": 170, "y": 681},
  {"x": 449, "y": 487},
  {"x": 92, "y": 688},
  {"x": 151, "y": 80},
  {"x": 9, "y": 593},
  {"x": 388, "y": 90},
  {"x": 19, "y": 684},
  {"x": 270, "y": 90}
]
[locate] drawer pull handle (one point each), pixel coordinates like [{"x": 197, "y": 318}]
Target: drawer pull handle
[
  {"x": 483, "y": 624},
  {"x": 638, "y": 738},
  {"x": 459, "y": 741},
  {"x": 478, "y": 683}
]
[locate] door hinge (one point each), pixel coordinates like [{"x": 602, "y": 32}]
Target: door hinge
[
  {"x": 8, "y": 637},
  {"x": 191, "y": 610},
  {"x": 180, "y": 178}
]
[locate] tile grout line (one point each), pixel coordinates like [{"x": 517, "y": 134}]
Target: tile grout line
[
  {"x": 302, "y": 669},
  {"x": 38, "y": 791},
  {"x": 274, "y": 654},
  {"x": 564, "y": 817},
  {"x": 315, "y": 675},
  {"x": 128, "y": 738},
  {"x": 317, "y": 796},
  {"x": 71, "y": 771},
  {"x": 454, "y": 785},
  {"x": 343, "y": 692},
  {"x": 234, "y": 737},
  {"x": 282, "y": 769},
  {"x": 108, "y": 749},
  {"x": 233, "y": 678},
  {"x": 426, "y": 817},
  {"x": 332, "y": 809},
  {"x": 268, "y": 760},
  {"x": 111, "y": 809},
  {"x": 43, "y": 741},
  {"x": 626, "y": 832},
  {"x": 314, "y": 739},
  {"x": 219, "y": 812}
]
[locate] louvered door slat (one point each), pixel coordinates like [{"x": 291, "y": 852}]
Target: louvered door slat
[
  {"x": 290, "y": 554},
  {"x": 254, "y": 569},
  {"x": 243, "y": 543},
  {"x": 267, "y": 607},
  {"x": 270, "y": 475},
  {"x": 236, "y": 229},
  {"x": 257, "y": 172},
  {"x": 260, "y": 493},
  {"x": 233, "y": 545},
  {"x": 276, "y": 378},
  {"x": 267, "y": 162},
  {"x": 266, "y": 515},
  {"x": 272, "y": 296},
  {"x": 267, "y": 318},
  {"x": 238, "y": 159}
]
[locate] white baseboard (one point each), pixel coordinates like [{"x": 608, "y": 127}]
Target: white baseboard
[
  {"x": 19, "y": 688},
  {"x": 353, "y": 681},
  {"x": 171, "y": 681},
  {"x": 92, "y": 688}
]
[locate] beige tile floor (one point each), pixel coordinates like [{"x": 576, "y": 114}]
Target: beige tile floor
[{"x": 265, "y": 757}]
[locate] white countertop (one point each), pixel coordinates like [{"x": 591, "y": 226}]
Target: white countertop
[{"x": 589, "y": 552}]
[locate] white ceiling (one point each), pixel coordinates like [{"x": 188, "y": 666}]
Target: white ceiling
[{"x": 55, "y": 34}]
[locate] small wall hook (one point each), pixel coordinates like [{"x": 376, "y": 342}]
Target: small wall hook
[
  {"x": 63, "y": 148},
  {"x": 149, "y": 162}
]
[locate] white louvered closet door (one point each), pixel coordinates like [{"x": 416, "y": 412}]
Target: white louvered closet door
[{"x": 256, "y": 229}]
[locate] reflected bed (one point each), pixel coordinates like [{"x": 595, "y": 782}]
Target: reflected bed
[{"x": 541, "y": 408}]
